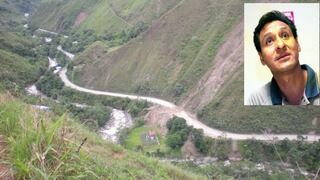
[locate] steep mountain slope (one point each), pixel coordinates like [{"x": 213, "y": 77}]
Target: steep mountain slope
[
  {"x": 168, "y": 59},
  {"x": 101, "y": 16},
  {"x": 229, "y": 59},
  {"x": 141, "y": 10},
  {"x": 11, "y": 11},
  {"x": 19, "y": 63},
  {"x": 185, "y": 57},
  {"x": 60, "y": 15}
]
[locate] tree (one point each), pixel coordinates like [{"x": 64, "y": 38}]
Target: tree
[
  {"x": 199, "y": 140},
  {"x": 176, "y": 124},
  {"x": 221, "y": 149},
  {"x": 175, "y": 140},
  {"x": 178, "y": 132}
]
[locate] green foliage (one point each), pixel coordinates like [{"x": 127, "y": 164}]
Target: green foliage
[
  {"x": 221, "y": 149},
  {"x": 42, "y": 146},
  {"x": 16, "y": 72},
  {"x": 138, "y": 122},
  {"x": 20, "y": 65},
  {"x": 33, "y": 141},
  {"x": 167, "y": 60},
  {"x": 175, "y": 140},
  {"x": 135, "y": 108},
  {"x": 178, "y": 132},
  {"x": 123, "y": 135},
  {"x": 200, "y": 141},
  {"x": 304, "y": 153},
  {"x": 133, "y": 32},
  {"x": 12, "y": 12},
  {"x": 78, "y": 41},
  {"x": 137, "y": 139},
  {"x": 98, "y": 113},
  {"x": 176, "y": 124},
  {"x": 240, "y": 170},
  {"x": 50, "y": 84}
]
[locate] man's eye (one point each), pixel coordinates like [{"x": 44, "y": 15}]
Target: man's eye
[
  {"x": 269, "y": 41},
  {"x": 284, "y": 35}
]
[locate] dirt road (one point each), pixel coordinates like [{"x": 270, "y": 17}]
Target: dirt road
[{"x": 190, "y": 118}]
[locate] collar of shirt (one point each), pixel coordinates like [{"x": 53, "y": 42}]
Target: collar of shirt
[{"x": 311, "y": 89}]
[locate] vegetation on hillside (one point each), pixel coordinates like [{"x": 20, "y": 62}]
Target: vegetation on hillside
[
  {"x": 297, "y": 153},
  {"x": 103, "y": 17},
  {"x": 170, "y": 71},
  {"x": 242, "y": 170},
  {"x": 43, "y": 146},
  {"x": 96, "y": 110},
  {"x": 168, "y": 59},
  {"x": 178, "y": 132},
  {"x": 20, "y": 63},
  {"x": 227, "y": 112}
]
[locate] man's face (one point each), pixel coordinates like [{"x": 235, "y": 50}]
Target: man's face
[{"x": 279, "y": 49}]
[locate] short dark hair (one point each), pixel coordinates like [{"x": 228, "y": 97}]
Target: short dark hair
[{"x": 269, "y": 17}]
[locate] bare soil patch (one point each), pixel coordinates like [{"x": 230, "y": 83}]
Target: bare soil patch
[
  {"x": 118, "y": 155},
  {"x": 80, "y": 18},
  {"x": 157, "y": 117},
  {"x": 228, "y": 59},
  {"x": 188, "y": 150}
]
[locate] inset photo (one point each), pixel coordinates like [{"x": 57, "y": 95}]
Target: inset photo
[{"x": 281, "y": 54}]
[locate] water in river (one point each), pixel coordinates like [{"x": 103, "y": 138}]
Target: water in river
[{"x": 118, "y": 121}]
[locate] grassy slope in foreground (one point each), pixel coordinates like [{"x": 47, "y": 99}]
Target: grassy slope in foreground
[
  {"x": 227, "y": 112},
  {"x": 41, "y": 145}
]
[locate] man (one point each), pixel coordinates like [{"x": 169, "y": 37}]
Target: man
[{"x": 276, "y": 41}]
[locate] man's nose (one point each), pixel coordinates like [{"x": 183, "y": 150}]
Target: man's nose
[{"x": 280, "y": 43}]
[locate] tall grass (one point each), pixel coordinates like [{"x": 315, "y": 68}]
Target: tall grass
[
  {"x": 37, "y": 145},
  {"x": 41, "y": 145}
]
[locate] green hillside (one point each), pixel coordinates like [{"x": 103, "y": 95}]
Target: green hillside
[
  {"x": 101, "y": 16},
  {"x": 20, "y": 64},
  {"x": 170, "y": 58},
  {"x": 141, "y": 10},
  {"x": 60, "y": 15},
  {"x": 166, "y": 60},
  {"x": 40, "y": 145},
  {"x": 12, "y": 11},
  {"x": 161, "y": 48}
]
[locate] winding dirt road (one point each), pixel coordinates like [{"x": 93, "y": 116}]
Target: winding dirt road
[{"x": 191, "y": 119}]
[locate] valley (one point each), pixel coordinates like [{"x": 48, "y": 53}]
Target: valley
[{"x": 146, "y": 89}]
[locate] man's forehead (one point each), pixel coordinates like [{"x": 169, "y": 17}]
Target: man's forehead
[{"x": 273, "y": 25}]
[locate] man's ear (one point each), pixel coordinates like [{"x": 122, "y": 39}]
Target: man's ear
[
  {"x": 299, "y": 48},
  {"x": 261, "y": 59}
]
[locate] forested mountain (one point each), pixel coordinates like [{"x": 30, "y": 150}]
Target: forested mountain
[{"x": 20, "y": 64}]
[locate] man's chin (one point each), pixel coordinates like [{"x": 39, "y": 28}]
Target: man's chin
[{"x": 288, "y": 66}]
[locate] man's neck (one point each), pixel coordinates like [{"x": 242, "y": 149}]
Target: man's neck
[{"x": 292, "y": 85}]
